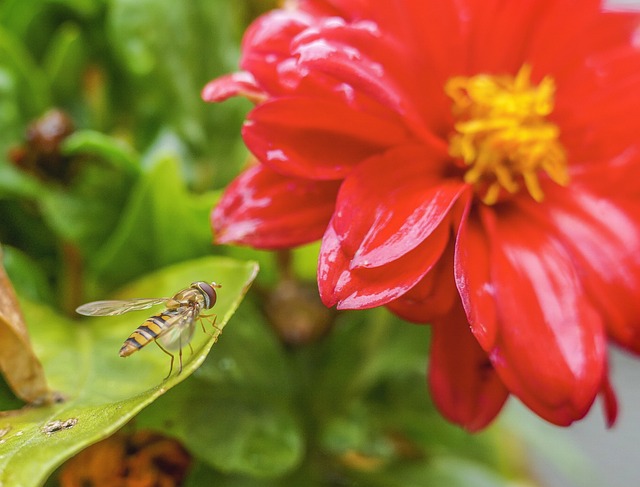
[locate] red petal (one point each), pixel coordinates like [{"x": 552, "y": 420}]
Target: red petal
[
  {"x": 473, "y": 277},
  {"x": 266, "y": 210},
  {"x": 388, "y": 230},
  {"x": 316, "y": 138},
  {"x": 550, "y": 345},
  {"x": 433, "y": 297},
  {"x": 267, "y": 44},
  {"x": 609, "y": 94},
  {"x": 463, "y": 383},
  {"x": 588, "y": 32},
  {"x": 353, "y": 9},
  {"x": 391, "y": 203},
  {"x": 325, "y": 52},
  {"x": 367, "y": 288},
  {"x": 608, "y": 396},
  {"x": 499, "y": 32},
  {"x": 348, "y": 64},
  {"x": 237, "y": 84},
  {"x": 602, "y": 235}
]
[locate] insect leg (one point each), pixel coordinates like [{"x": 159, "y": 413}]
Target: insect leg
[
  {"x": 170, "y": 355},
  {"x": 212, "y": 319}
]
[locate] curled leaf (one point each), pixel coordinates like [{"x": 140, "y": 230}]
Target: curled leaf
[{"x": 19, "y": 365}]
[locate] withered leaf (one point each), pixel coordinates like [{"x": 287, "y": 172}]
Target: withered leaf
[{"x": 19, "y": 365}]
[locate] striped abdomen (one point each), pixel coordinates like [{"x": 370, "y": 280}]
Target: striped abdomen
[{"x": 148, "y": 331}]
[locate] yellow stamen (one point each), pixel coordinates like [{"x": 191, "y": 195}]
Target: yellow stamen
[{"x": 503, "y": 135}]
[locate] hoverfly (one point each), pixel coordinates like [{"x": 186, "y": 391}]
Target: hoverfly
[{"x": 172, "y": 327}]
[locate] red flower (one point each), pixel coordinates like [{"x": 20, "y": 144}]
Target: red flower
[{"x": 474, "y": 164}]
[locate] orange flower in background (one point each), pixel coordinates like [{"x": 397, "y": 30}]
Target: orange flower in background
[
  {"x": 473, "y": 164},
  {"x": 142, "y": 459}
]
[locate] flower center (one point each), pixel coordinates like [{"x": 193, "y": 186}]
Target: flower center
[{"x": 502, "y": 134}]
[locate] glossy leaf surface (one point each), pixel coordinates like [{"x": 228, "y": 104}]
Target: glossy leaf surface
[{"x": 101, "y": 391}]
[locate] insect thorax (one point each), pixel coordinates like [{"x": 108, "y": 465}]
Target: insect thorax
[
  {"x": 187, "y": 297},
  {"x": 191, "y": 296}
]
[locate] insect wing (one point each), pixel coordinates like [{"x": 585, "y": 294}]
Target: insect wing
[
  {"x": 117, "y": 307},
  {"x": 179, "y": 330}
]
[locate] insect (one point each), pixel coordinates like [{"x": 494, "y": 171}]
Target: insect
[{"x": 172, "y": 328}]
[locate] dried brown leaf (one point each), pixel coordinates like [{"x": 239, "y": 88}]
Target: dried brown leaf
[{"x": 19, "y": 365}]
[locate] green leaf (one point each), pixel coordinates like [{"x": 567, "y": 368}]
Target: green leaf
[
  {"x": 443, "y": 471},
  {"x": 101, "y": 391},
  {"x": 202, "y": 475},
  {"x": 84, "y": 8},
  {"x": 305, "y": 261},
  {"x": 376, "y": 364},
  {"x": 238, "y": 413},
  {"x": 65, "y": 60},
  {"x": 85, "y": 212},
  {"x": 15, "y": 183},
  {"x": 170, "y": 50},
  {"x": 20, "y": 15},
  {"x": 162, "y": 223},
  {"x": 26, "y": 275},
  {"x": 7, "y": 399},
  {"x": 12, "y": 122},
  {"x": 108, "y": 149},
  {"x": 373, "y": 346},
  {"x": 154, "y": 39},
  {"x": 32, "y": 89},
  {"x": 24, "y": 92}
]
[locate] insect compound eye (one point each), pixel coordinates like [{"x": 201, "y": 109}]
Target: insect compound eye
[{"x": 209, "y": 292}]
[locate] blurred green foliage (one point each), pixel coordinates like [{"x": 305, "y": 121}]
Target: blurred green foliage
[
  {"x": 131, "y": 193},
  {"x": 128, "y": 73}
]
